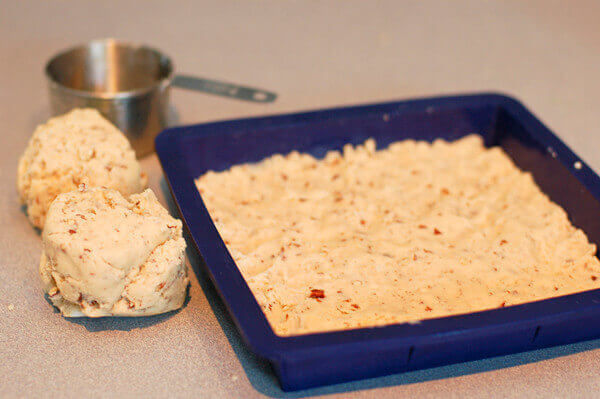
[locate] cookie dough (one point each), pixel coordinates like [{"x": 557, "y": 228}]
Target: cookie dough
[
  {"x": 419, "y": 230},
  {"x": 107, "y": 255},
  {"x": 80, "y": 147}
]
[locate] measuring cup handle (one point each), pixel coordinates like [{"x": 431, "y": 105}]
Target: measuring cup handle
[{"x": 223, "y": 89}]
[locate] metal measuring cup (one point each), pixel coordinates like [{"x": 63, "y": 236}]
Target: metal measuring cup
[{"x": 129, "y": 84}]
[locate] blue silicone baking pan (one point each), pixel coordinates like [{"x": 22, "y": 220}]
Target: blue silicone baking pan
[{"x": 318, "y": 359}]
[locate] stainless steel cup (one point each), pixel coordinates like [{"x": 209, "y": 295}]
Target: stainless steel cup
[{"x": 127, "y": 83}]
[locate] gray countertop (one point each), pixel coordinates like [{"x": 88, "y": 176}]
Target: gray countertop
[{"x": 313, "y": 54}]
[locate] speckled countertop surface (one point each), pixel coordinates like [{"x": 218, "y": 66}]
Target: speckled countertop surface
[{"x": 313, "y": 54}]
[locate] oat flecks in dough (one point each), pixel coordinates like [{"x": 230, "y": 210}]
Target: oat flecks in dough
[
  {"x": 80, "y": 147},
  {"x": 412, "y": 232},
  {"x": 106, "y": 255}
]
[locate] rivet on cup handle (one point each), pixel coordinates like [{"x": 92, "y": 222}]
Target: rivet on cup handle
[{"x": 223, "y": 89}]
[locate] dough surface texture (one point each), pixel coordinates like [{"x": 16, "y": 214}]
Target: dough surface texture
[
  {"x": 418, "y": 230},
  {"x": 107, "y": 255},
  {"x": 80, "y": 147}
]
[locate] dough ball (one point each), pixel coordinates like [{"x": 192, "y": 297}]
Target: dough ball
[
  {"x": 80, "y": 147},
  {"x": 107, "y": 255}
]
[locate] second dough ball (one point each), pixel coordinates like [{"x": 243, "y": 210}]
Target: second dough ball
[
  {"x": 80, "y": 147},
  {"x": 107, "y": 255}
]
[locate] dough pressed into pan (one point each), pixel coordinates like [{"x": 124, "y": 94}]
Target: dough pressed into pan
[{"x": 419, "y": 230}]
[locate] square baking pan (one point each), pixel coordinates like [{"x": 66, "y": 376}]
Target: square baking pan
[{"x": 309, "y": 360}]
